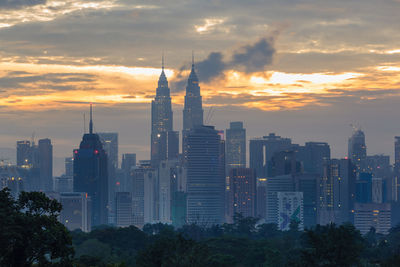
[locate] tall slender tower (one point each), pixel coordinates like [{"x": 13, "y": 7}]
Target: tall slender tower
[
  {"x": 235, "y": 146},
  {"x": 358, "y": 150},
  {"x": 396, "y": 182},
  {"x": 90, "y": 174},
  {"x": 164, "y": 141},
  {"x": 193, "y": 110}
]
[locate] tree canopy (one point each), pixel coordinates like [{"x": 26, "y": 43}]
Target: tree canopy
[{"x": 30, "y": 232}]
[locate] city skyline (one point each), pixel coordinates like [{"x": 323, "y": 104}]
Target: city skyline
[{"x": 278, "y": 72}]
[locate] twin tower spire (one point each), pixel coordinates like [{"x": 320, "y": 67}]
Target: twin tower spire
[
  {"x": 193, "y": 110},
  {"x": 164, "y": 140}
]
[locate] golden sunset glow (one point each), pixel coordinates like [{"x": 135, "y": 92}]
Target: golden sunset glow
[
  {"x": 121, "y": 84},
  {"x": 329, "y": 58}
]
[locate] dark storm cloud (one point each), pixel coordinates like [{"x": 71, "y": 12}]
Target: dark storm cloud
[
  {"x": 254, "y": 58},
  {"x": 14, "y": 4},
  {"x": 250, "y": 58}
]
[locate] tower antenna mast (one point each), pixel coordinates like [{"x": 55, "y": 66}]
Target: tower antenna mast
[{"x": 91, "y": 120}]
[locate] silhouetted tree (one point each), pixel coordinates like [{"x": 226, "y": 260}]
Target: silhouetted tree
[
  {"x": 30, "y": 232},
  {"x": 332, "y": 246},
  {"x": 176, "y": 251}
]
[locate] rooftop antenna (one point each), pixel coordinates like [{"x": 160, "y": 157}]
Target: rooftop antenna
[
  {"x": 209, "y": 115},
  {"x": 91, "y": 120},
  {"x": 33, "y": 139},
  {"x": 192, "y": 59},
  {"x": 84, "y": 123},
  {"x": 162, "y": 61}
]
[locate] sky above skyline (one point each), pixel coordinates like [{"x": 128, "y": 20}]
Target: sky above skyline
[{"x": 302, "y": 69}]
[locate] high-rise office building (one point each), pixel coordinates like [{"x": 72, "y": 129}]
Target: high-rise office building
[
  {"x": 193, "y": 110},
  {"x": 38, "y": 159},
  {"x": 236, "y": 146},
  {"x": 76, "y": 211},
  {"x": 63, "y": 183},
  {"x": 307, "y": 183},
  {"x": 110, "y": 145},
  {"x": 242, "y": 192},
  {"x": 14, "y": 178},
  {"x": 282, "y": 183},
  {"x": 179, "y": 208},
  {"x": 151, "y": 196},
  {"x": 69, "y": 166},
  {"x": 123, "y": 209},
  {"x": 171, "y": 177},
  {"x": 357, "y": 150},
  {"x": 284, "y": 162},
  {"x": 261, "y": 204},
  {"x": 193, "y": 107},
  {"x": 164, "y": 141},
  {"x": 46, "y": 164},
  {"x": 90, "y": 174},
  {"x": 24, "y": 153},
  {"x": 140, "y": 174},
  {"x": 396, "y": 170},
  {"x": 364, "y": 188},
  {"x": 290, "y": 209},
  {"x": 109, "y": 142},
  {"x": 262, "y": 150},
  {"x": 367, "y": 215},
  {"x": 128, "y": 162},
  {"x": 312, "y": 155},
  {"x": 337, "y": 192},
  {"x": 124, "y": 177},
  {"x": 205, "y": 184}
]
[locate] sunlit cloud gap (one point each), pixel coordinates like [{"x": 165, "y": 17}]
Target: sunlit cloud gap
[{"x": 52, "y": 10}]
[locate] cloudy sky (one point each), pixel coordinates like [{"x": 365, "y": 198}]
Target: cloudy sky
[{"x": 300, "y": 68}]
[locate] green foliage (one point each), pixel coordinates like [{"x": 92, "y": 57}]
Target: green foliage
[
  {"x": 30, "y": 232},
  {"x": 333, "y": 246},
  {"x": 31, "y": 235},
  {"x": 174, "y": 251}
]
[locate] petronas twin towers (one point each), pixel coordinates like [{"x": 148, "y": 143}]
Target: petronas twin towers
[{"x": 164, "y": 140}]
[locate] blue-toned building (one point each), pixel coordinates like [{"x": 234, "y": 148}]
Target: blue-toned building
[
  {"x": 90, "y": 174},
  {"x": 205, "y": 181}
]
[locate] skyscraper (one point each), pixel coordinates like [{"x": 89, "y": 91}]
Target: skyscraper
[
  {"x": 69, "y": 166},
  {"x": 46, "y": 164},
  {"x": 236, "y": 146},
  {"x": 24, "y": 153},
  {"x": 262, "y": 150},
  {"x": 290, "y": 208},
  {"x": 313, "y": 155},
  {"x": 396, "y": 182},
  {"x": 124, "y": 177},
  {"x": 205, "y": 184},
  {"x": 38, "y": 160},
  {"x": 109, "y": 142},
  {"x": 110, "y": 145},
  {"x": 164, "y": 141},
  {"x": 337, "y": 192},
  {"x": 282, "y": 183},
  {"x": 143, "y": 203},
  {"x": 128, "y": 161},
  {"x": 90, "y": 174},
  {"x": 193, "y": 108},
  {"x": 123, "y": 210},
  {"x": 284, "y": 162},
  {"x": 76, "y": 211},
  {"x": 242, "y": 192},
  {"x": 358, "y": 150}
]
